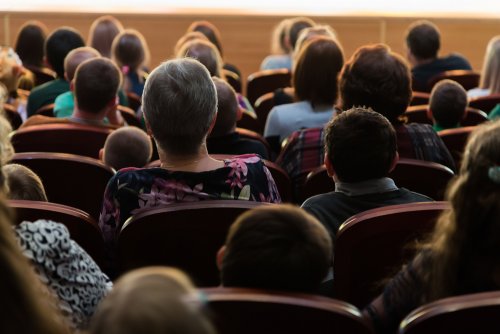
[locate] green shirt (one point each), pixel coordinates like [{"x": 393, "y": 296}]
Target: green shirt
[
  {"x": 46, "y": 94},
  {"x": 64, "y": 103},
  {"x": 495, "y": 113},
  {"x": 438, "y": 127}
]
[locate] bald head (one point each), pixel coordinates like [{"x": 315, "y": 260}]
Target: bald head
[{"x": 76, "y": 57}]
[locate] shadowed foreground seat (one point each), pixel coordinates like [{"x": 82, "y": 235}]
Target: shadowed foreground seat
[{"x": 262, "y": 82}]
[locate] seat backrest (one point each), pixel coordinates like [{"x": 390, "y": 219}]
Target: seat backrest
[
  {"x": 81, "y": 226},
  {"x": 129, "y": 116},
  {"x": 262, "y": 82},
  {"x": 69, "y": 179},
  {"x": 263, "y": 106},
  {"x": 42, "y": 74},
  {"x": 425, "y": 177},
  {"x": 473, "y": 313},
  {"x": 63, "y": 138},
  {"x": 371, "y": 246},
  {"x": 233, "y": 79},
  {"x": 467, "y": 78},
  {"x": 12, "y": 116},
  {"x": 418, "y": 114},
  {"x": 183, "y": 235},
  {"x": 249, "y": 121},
  {"x": 134, "y": 101},
  {"x": 485, "y": 103},
  {"x": 455, "y": 140},
  {"x": 250, "y": 311},
  {"x": 46, "y": 110},
  {"x": 419, "y": 98},
  {"x": 249, "y": 134}
]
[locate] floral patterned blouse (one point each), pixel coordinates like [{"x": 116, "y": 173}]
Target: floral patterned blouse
[{"x": 133, "y": 190}]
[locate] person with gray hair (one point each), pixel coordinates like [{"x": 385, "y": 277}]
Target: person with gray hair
[{"x": 180, "y": 106}]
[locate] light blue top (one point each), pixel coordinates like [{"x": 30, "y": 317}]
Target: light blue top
[
  {"x": 274, "y": 62},
  {"x": 63, "y": 105},
  {"x": 287, "y": 118}
]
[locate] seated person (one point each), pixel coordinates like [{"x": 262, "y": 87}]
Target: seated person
[
  {"x": 423, "y": 43},
  {"x": 377, "y": 78},
  {"x": 315, "y": 82},
  {"x": 223, "y": 138},
  {"x": 164, "y": 299},
  {"x": 96, "y": 86},
  {"x": 57, "y": 46},
  {"x": 360, "y": 152},
  {"x": 127, "y": 147},
  {"x": 11, "y": 70},
  {"x": 276, "y": 248},
  {"x": 23, "y": 183},
  {"x": 180, "y": 106},
  {"x": 448, "y": 105},
  {"x": 490, "y": 73}
]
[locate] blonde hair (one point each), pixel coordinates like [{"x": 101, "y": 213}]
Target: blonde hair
[
  {"x": 490, "y": 75},
  {"x": 10, "y": 68},
  {"x": 279, "y": 44}
]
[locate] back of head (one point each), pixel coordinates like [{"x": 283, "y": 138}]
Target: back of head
[
  {"x": 188, "y": 37},
  {"x": 30, "y": 42},
  {"x": 227, "y": 109},
  {"x": 102, "y": 33},
  {"x": 206, "y": 53},
  {"x": 129, "y": 49},
  {"x": 277, "y": 248},
  {"x": 448, "y": 103},
  {"x": 278, "y": 40},
  {"x": 127, "y": 147},
  {"x": 210, "y": 31},
  {"x": 164, "y": 302},
  {"x": 10, "y": 69},
  {"x": 490, "y": 74},
  {"x": 423, "y": 40},
  {"x": 23, "y": 183},
  {"x": 180, "y": 103},
  {"x": 309, "y": 33},
  {"x": 296, "y": 26},
  {"x": 361, "y": 145},
  {"x": 76, "y": 57},
  {"x": 377, "y": 78},
  {"x": 59, "y": 44},
  {"x": 316, "y": 71},
  {"x": 97, "y": 82}
]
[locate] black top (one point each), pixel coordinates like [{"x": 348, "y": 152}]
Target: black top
[
  {"x": 234, "y": 144},
  {"x": 333, "y": 208}
]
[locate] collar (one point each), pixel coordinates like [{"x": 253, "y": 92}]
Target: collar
[{"x": 372, "y": 186}]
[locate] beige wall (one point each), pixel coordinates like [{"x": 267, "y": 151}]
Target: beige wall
[{"x": 246, "y": 39}]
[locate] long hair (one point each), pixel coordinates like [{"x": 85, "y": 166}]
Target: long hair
[
  {"x": 465, "y": 245},
  {"x": 490, "y": 74}
]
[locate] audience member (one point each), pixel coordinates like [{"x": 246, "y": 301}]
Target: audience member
[
  {"x": 293, "y": 28},
  {"x": 448, "y": 105},
  {"x": 131, "y": 52},
  {"x": 377, "y": 78},
  {"x": 57, "y": 46},
  {"x": 180, "y": 106},
  {"x": 102, "y": 32},
  {"x": 188, "y": 37},
  {"x": 280, "y": 48},
  {"x": 423, "y": 42},
  {"x": 164, "y": 300},
  {"x": 206, "y": 53},
  {"x": 361, "y": 150},
  {"x": 64, "y": 103},
  {"x": 23, "y": 183},
  {"x": 11, "y": 69},
  {"x": 315, "y": 82},
  {"x": 127, "y": 147},
  {"x": 461, "y": 256},
  {"x": 276, "y": 248},
  {"x": 96, "y": 85},
  {"x": 223, "y": 138},
  {"x": 490, "y": 74}
]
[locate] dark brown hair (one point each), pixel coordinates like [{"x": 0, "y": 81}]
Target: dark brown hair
[
  {"x": 295, "y": 27},
  {"x": 448, "y": 103},
  {"x": 210, "y": 30},
  {"x": 30, "y": 43},
  {"x": 423, "y": 40},
  {"x": 227, "y": 109}
]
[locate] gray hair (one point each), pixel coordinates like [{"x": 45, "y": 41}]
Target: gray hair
[{"x": 180, "y": 104}]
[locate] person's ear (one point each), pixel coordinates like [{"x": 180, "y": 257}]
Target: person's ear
[
  {"x": 46, "y": 62},
  {"x": 220, "y": 257},
  {"x": 66, "y": 76},
  {"x": 72, "y": 86},
  {"x": 212, "y": 124},
  {"x": 328, "y": 165},
  {"x": 465, "y": 113},
  {"x": 394, "y": 162},
  {"x": 101, "y": 154},
  {"x": 429, "y": 114}
]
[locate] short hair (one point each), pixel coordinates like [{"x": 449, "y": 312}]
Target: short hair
[
  {"x": 309, "y": 33},
  {"x": 361, "y": 145},
  {"x": 423, "y": 40},
  {"x": 166, "y": 303},
  {"x": 296, "y": 26},
  {"x": 23, "y": 183},
  {"x": 278, "y": 40},
  {"x": 30, "y": 43},
  {"x": 97, "y": 82},
  {"x": 76, "y": 57},
  {"x": 180, "y": 103},
  {"x": 227, "y": 109},
  {"x": 377, "y": 78},
  {"x": 130, "y": 49},
  {"x": 448, "y": 103},
  {"x": 206, "y": 53},
  {"x": 316, "y": 71},
  {"x": 490, "y": 74},
  {"x": 127, "y": 147},
  {"x": 277, "y": 247},
  {"x": 188, "y": 37},
  {"x": 59, "y": 44},
  {"x": 102, "y": 32},
  {"x": 210, "y": 31}
]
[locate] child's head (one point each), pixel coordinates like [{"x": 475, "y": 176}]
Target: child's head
[
  {"x": 127, "y": 147},
  {"x": 448, "y": 103},
  {"x": 102, "y": 33},
  {"x": 23, "y": 183},
  {"x": 130, "y": 50},
  {"x": 278, "y": 248},
  {"x": 75, "y": 58},
  {"x": 228, "y": 110},
  {"x": 59, "y": 44},
  {"x": 206, "y": 53}
]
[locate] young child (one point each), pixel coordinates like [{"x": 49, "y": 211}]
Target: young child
[{"x": 448, "y": 105}]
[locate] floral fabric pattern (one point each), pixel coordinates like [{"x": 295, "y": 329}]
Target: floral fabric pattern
[{"x": 134, "y": 190}]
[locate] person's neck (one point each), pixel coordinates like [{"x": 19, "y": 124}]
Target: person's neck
[
  {"x": 197, "y": 162},
  {"x": 82, "y": 114},
  {"x": 419, "y": 62}
]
